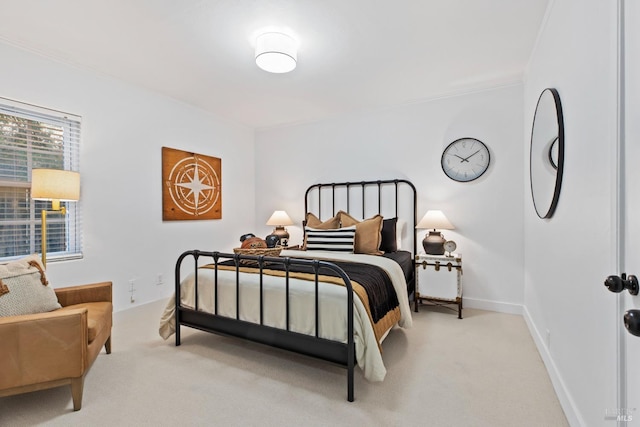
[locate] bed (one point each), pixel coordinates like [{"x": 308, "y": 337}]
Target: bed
[{"x": 322, "y": 301}]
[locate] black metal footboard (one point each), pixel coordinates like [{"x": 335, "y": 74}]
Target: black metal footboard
[{"x": 310, "y": 345}]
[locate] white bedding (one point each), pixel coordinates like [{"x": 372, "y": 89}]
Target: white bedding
[{"x": 332, "y": 307}]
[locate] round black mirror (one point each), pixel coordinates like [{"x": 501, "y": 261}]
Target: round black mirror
[{"x": 546, "y": 157}]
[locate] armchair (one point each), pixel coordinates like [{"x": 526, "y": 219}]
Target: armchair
[{"x": 56, "y": 348}]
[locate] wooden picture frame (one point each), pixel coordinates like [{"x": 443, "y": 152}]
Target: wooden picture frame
[{"x": 191, "y": 186}]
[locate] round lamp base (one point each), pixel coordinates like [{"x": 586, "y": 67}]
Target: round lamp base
[
  {"x": 283, "y": 234},
  {"x": 433, "y": 243}
]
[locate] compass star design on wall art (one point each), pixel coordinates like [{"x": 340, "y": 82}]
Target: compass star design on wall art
[{"x": 191, "y": 186}]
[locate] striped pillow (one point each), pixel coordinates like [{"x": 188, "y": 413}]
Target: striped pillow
[{"x": 340, "y": 239}]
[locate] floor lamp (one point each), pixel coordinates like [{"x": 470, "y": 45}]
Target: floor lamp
[{"x": 55, "y": 185}]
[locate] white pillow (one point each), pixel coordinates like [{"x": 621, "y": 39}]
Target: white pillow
[
  {"x": 23, "y": 288},
  {"x": 401, "y": 224}
]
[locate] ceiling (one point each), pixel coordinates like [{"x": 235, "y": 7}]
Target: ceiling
[{"x": 354, "y": 55}]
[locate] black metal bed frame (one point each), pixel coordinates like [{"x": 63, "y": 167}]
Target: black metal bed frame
[
  {"x": 332, "y": 351},
  {"x": 363, "y": 185},
  {"x": 311, "y": 345}
]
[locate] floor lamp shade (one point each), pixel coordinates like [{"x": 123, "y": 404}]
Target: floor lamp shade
[{"x": 55, "y": 185}]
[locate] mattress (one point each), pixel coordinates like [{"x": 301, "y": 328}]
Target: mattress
[{"x": 332, "y": 304}]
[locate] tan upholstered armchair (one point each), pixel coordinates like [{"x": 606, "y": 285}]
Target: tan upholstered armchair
[{"x": 39, "y": 351}]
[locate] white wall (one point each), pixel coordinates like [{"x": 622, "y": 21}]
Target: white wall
[
  {"x": 407, "y": 142},
  {"x": 123, "y": 130},
  {"x": 568, "y": 256},
  {"x": 563, "y": 259}
]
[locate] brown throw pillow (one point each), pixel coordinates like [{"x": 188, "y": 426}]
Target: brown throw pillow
[
  {"x": 368, "y": 234},
  {"x": 314, "y": 222},
  {"x": 330, "y": 224}
]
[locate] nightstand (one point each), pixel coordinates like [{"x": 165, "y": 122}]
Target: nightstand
[{"x": 439, "y": 280}]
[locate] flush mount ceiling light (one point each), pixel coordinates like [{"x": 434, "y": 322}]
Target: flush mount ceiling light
[{"x": 276, "y": 52}]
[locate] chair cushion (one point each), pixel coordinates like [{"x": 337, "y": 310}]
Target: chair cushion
[
  {"x": 23, "y": 288},
  {"x": 98, "y": 315}
]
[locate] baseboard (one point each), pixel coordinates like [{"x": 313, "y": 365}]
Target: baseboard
[
  {"x": 567, "y": 403},
  {"x": 500, "y": 307}
]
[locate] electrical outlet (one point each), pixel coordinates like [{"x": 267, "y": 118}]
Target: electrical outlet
[
  {"x": 160, "y": 280},
  {"x": 132, "y": 289}
]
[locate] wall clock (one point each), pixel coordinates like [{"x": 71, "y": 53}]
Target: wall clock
[{"x": 465, "y": 159}]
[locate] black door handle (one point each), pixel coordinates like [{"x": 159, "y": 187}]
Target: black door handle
[
  {"x": 632, "y": 322},
  {"x": 619, "y": 284}
]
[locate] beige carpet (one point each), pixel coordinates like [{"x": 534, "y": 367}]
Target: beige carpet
[{"x": 483, "y": 370}]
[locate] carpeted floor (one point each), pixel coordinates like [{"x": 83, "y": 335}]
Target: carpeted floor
[{"x": 483, "y": 370}]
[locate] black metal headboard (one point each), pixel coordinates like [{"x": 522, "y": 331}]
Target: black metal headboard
[{"x": 400, "y": 200}]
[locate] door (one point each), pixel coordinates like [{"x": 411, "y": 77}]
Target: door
[{"x": 629, "y": 209}]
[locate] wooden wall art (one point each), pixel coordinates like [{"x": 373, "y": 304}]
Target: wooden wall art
[{"x": 191, "y": 186}]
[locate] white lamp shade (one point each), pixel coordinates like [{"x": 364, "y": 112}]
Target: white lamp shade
[
  {"x": 276, "y": 52},
  {"x": 53, "y": 184},
  {"x": 435, "y": 220},
  {"x": 279, "y": 218}
]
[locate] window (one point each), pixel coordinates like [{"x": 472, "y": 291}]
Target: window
[{"x": 33, "y": 137}]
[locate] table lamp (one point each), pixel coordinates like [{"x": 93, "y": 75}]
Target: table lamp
[
  {"x": 55, "y": 185},
  {"x": 433, "y": 242},
  {"x": 279, "y": 219}
]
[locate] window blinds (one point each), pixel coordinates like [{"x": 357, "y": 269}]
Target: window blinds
[{"x": 35, "y": 137}]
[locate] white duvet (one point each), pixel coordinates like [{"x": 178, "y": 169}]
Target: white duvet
[{"x": 332, "y": 304}]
